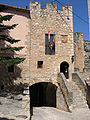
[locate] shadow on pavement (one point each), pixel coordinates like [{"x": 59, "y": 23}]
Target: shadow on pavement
[{"x": 3, "y": 118}]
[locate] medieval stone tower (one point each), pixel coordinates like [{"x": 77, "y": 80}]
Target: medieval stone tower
[
  {"x": 46, "y": 62},
  {"x": 47, "y": 37},
  {"x": 48, "y": 59}
]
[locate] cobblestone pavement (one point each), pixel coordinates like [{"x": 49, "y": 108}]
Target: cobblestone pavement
[{"x": 11, "y": 110}]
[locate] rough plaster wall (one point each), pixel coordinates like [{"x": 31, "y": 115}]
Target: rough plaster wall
[{"x": 20, "y": 32}]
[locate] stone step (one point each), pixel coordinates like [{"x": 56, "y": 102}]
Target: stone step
[
  {"x": 79, "y": 100},
  {"x": 80, "y": 106}
]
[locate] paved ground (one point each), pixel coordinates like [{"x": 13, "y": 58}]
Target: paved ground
[
  {"x": 47, "y": 113},
  {"x": 11, "y": 110}
]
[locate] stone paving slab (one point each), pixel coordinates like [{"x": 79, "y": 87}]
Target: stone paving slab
[
  {"x": 49, "y": 113},
  {"x": 11, "y": 110}
]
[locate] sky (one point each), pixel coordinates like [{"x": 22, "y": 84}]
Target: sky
[{"x": 80, "y": 8}]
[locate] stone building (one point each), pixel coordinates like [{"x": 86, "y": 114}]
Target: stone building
[{"x": 48, "y": 69}]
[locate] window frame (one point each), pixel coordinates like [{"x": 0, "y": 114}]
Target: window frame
[
  {"x": 39, "y": 64},
  {"x": 48, "y": 51}
]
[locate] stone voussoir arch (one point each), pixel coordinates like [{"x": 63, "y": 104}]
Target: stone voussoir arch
[{"x": 43, "y": 94}]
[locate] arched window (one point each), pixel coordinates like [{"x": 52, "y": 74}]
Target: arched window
[{"x": 64, "y": 68}]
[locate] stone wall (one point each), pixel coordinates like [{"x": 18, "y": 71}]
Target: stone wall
[
  {"x": 31, "y": 30},
  {"x": 87, "y": 53},
  {"x": 65, "y": 95},
  {"x": 20, "y": 32},
  {"x": 53, "y": 20},
  {"x": 78, "y": 51}
]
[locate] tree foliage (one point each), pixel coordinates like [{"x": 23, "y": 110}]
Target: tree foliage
[{"x": 4, "y": 36}]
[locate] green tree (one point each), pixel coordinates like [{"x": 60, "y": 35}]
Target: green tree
[{"x": 4, "y": 36}]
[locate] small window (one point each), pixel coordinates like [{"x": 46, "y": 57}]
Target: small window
[
  {"x": 2, "y": 87},
  {"x": 40, "y": 64},
  {"x": 11, "y": 68},
  {"x": 50, "y": 44},
  {"x": 64, "y": 38}
]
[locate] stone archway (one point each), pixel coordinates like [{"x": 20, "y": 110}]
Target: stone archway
[
  {"x": 43, "y": 94},
  {"x": 64, "y": 68}
]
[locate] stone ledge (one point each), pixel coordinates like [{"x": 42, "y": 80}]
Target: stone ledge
[{"x": 66, "y": 89}]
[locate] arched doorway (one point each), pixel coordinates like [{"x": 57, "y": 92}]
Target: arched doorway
[
  {"x": 64, "y": 68},
  {"x": 43, "y": 94}
]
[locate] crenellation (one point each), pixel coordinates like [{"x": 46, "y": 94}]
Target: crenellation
[
  {"x": 50, "y": 11},
  {"x": 35, "y": 5},
  {"x": 51, "y": 6},
  {"x": 43, "y": 12}
]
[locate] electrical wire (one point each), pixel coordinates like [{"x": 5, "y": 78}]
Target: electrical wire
[
  {"x": 73, "y": 12},
  {"x": 63, "y": 19}
]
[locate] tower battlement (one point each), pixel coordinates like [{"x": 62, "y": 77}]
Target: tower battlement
[{"x": 50, "y": 10}]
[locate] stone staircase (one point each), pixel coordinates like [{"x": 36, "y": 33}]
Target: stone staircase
[
  {"x": 74, "y": 91},
  {"x": 79, "y": 99}
]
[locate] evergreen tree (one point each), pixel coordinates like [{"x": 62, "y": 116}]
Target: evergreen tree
[{"x": 5, "y": 37}]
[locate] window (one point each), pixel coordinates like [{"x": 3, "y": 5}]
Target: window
[
  {"x": 2, "y": 87},
  {"x": 64, "y": 38},
  {"x": 40, "y": 64},
  {"x": 49, "y": 46},
  {"x": 11, "y": 68}
]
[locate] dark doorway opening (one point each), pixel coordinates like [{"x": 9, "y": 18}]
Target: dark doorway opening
[
  {"x": 64, "y": 68},
  {"x": 43, "y": 94}
]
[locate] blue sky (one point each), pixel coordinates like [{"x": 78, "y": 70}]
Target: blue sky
[{"x": 79, "y": 7}]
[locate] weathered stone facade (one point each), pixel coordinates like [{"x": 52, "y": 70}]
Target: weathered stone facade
[
  {"x": 78, "y": 51},
  {"x": 87, "y": 53},
  {"x": 42, "y": 21},
  {"x": 33, "y": 26}
]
